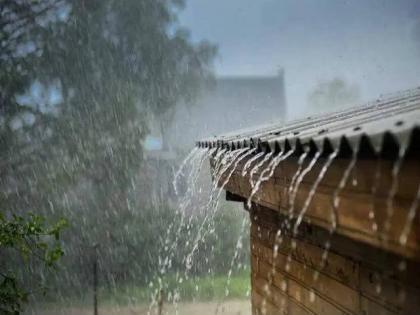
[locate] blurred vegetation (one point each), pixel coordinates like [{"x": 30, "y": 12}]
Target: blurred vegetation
[
  {"x": 195, "y": 289},
  {"x": 78, "y": 79},
  {"x": 333, "y": 94},
  {"x": 27, "y": 239}
]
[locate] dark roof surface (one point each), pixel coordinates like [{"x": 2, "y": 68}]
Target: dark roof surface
[{"x": 388, "y": 119}]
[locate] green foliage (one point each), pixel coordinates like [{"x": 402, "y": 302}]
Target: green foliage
[
  {"x": 213, "y": 287},
  {"x": 112, "y": 63},
  {"x": 32, "y": 238},
  {"x": 200, "y": 288}
]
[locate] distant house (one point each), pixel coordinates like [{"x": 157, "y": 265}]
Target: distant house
[{"x": 229, "y": 103}]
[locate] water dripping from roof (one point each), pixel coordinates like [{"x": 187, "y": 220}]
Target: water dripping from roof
[
  {"x": 270, "y": 170},
  {"x": 257, "y": 167},
  {"x": 250, "y": 161},
  {"x": 410, "y": 218},
  {"x": 394, "y": 187},
  {"x": 299, "y": 181},
  {"x": 312, "y": 191}
]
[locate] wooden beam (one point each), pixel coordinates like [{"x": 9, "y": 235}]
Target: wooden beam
[{"x": 363, "y": 210}]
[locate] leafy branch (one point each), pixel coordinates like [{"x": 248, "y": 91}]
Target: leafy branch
[{"x": 32, "y": 238}]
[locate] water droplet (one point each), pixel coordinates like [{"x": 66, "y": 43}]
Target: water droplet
[
  {"x": 316, "y": 275},
  {"x": 374, "y": 227},
  {"x": 283, "y": 285},
  {"x": 402, "y": 266},
  {"x": 312, "y": 296}
]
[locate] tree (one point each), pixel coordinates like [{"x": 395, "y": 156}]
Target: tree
[
  {"x": 333, "y": 94},
  {"x": 114, "y": 61},
  {"x": 30, "y": 238},
  {"x": 107, "y": 62},
  {"x": 25, "y": 239}
]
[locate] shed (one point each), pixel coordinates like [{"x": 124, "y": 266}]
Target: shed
[{"x": 333, "y": 203}]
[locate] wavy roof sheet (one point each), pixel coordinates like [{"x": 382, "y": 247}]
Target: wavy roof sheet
[{"x": 394, "y": 118}]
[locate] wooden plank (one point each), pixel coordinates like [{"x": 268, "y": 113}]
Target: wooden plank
[
  {"x": 276, "y": 302},
  {"x": 388, "y": 292},
  {"x": 282, "y": 286},
  {"x": 362, "y": 179},
  {"x": 368, "y": 257},
  {"x": 361, "y": 272},
  {"x": 367, "y": 271},
  {"x": 370, "y": 307},
  {"x": 357, "y": 203},
  {"x": 345, "y": 270},
  {"x": 261, "y": 306},
  {"x": 330, "y": 289}
]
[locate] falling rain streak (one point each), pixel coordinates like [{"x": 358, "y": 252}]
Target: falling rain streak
[{"x": 257, "y": 168}]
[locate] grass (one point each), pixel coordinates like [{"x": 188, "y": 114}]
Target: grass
[
  {"x": 194, "y": 289},
  {"x": 206, "y": 288}
]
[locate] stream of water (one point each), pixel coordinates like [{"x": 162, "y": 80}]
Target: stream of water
[{"x": 259, "y": 167}]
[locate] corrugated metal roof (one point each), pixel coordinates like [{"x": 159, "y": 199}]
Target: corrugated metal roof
[{"x": 393, "y": 117}]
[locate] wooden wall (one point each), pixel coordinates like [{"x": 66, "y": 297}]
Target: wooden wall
[
  {"x": 288, "y": 276},
  {"x": 362, "y": 212}
]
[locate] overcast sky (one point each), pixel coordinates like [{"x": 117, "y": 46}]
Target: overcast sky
[{"x": 368, "y": 43}]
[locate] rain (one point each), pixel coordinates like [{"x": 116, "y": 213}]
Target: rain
[{"x": 209, "y": 157}]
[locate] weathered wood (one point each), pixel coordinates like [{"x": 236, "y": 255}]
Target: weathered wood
[
  {"x": 350, "y": 282},
  {"x": 363, "y": 208},
  {"x": 366, "y": 269}
]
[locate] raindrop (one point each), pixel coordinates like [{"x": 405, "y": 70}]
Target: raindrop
[
  {"x": 312, "y": 296},
  {"x": 410, "y": 218},
  {"x": 394, "y": 187}
]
